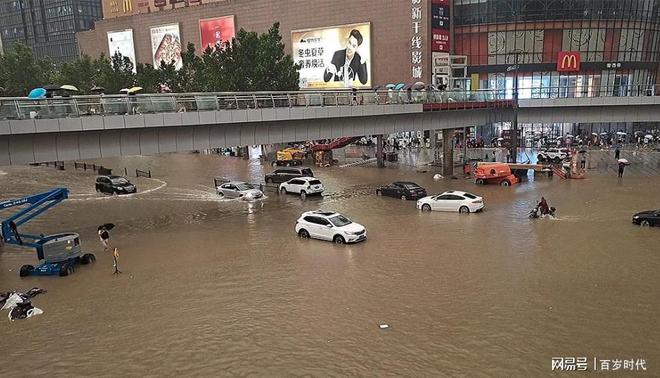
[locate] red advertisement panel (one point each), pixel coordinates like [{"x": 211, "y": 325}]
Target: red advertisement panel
[
  {"x": 440, "y": 20},
  {"x": 216, "y": 30}
]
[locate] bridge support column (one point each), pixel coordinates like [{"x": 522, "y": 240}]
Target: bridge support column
[
  {"x": 447, "y": 152},
  {"x": 380, "y": 159}
]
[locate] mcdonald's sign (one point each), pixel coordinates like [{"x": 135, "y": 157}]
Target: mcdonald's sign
[
  {"x": 128, "y": 6},
  {"x": 568, "y": 61}
]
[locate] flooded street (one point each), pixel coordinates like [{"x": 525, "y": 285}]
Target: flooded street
[{"x": 217, "y": 287}]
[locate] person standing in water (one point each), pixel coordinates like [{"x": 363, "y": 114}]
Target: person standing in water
[{"x": 104, "y": 237}]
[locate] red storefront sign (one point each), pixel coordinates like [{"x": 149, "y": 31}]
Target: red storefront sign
[{"x": 568, "y": 61}]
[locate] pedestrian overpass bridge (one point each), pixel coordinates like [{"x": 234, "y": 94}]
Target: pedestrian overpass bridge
[{"x": 86, "y": 127}]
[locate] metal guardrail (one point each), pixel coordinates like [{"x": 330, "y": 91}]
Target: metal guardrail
[{"x": 80, "y": 106}]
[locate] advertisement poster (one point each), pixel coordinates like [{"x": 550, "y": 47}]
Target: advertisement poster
[
  {"x": 166, "y": 45},
  {"x": 333, "y": 57},
  {"x": 122, "y": 42},
  {"x": 216, "y": 30},
  {"x": 440, "y": 19}
]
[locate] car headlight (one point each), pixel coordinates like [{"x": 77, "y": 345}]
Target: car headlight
[
  {"x": 355, "y": 233},
  {"x": 121, "y": 188},
  {"x": 636, "y": 217}
]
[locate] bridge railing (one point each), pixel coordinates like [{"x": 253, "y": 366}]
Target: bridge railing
[{"x": 78, "y": 106}]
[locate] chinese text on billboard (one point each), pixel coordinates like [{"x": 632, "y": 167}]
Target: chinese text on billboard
[
  {"x": 166, "y": 45},
  {"x": 216, "y": 31}
]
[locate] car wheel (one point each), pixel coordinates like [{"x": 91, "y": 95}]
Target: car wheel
[
  {"x": 338, "y": 239},
  {"x": 540, "y": 158},
  {"x": 221, "y": 195},
  {"x": 283, "y": 191},
  {"x": 379, "y": 193},
  {"x": 303, "y": 194},
  {"x": 269, "y": 180},
  {"x": 287, "y": 164},
  {"x": 479, "y": 182},
  {"x": 65, "y": 270},
  {"x": 26, "y": 270},
  {"x": 645, "y": 223},
  {"x": 274, "y": 164},
  {"x": 464, "y": 210},
  {"x": 303, "y": 234},
  {"x": 505, "y": 183},
  {"x": 403, "y": 197},
  {"x": 87, "y": 258},
  {"x": 426, "y": 207}
]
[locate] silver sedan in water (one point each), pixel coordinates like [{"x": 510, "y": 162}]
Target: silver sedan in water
[{"x": 238, "y": 189}]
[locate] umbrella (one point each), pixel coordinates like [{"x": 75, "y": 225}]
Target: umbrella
[
  {"x": 648, "y": 136},
  {"x": 97, "y": 89},
  {"x": 418, "y": 85},
  {"x": 37, "y": 93},
  {"x": 52, "y": 87},
  {"x": 399, "y": 86},
  {"x": 594, "y": 134},
  {"x": 124, "y": 90},
  {"x": 390, "y": 86},
  {"x": 620, "y": 133},
  {"x": 107, "y": 226},
  {"x": 603, "y": 133},
  {"x": 134, "y": 89},
  {"x": 569, "y": 136},
  {"x": 68, "y": 87},
  {"x": 500, "y": 138},
  {"x": 623, "y": 161}
]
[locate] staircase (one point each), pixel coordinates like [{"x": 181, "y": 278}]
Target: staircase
[
  {"x": 356, "y": 163},
  {"x": 558, "y": 172},
  {"x": 337, "y": 143}
]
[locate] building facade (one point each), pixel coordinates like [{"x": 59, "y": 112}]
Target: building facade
[
  {"x": 120, "y": 8},
  {"x": 394, "y": 33},
  {"x": 559, "y": 48},
  {"x": 48, "y": 26}
]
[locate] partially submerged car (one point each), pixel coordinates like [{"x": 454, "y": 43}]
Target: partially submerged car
[
  {"x": 402, "y": 189},
  {"x": 647, "y": 218},
  {"x": 111, "y": 184},
  {"x": 238, "y": 189}
]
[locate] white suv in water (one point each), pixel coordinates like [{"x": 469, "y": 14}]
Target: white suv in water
[
  {"x": 331, "y": 226},
  {"x": 555, "y": 155},
  {"x": 304, "y": 186}
]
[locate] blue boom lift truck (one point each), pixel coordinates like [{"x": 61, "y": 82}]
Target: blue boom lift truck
[{"x": 57, "y": 253}]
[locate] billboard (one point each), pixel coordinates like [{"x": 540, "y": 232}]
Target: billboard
[
  {"x": 122, "y": 42},
  {"x": 166, "y": 45},
  {"x": 440, "y": 19},
  {"x": 333, "y": 57},
  {"x": 216, "y": 30}
]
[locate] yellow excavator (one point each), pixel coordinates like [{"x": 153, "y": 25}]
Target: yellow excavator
[{"x": 290, "y": 156}]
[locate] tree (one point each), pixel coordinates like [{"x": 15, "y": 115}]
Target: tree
[
  {"x": 21, "y": 71},
  {"x": 116, "y": 73}
]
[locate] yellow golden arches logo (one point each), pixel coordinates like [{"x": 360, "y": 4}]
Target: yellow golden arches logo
[
  {"x": 128, "y": 5},
  {"x": 568, "y": 61}
]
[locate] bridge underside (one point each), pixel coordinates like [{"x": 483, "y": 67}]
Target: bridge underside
[
  {"x": 30, "y": 146},
  {"x": 65, "y": 146}
]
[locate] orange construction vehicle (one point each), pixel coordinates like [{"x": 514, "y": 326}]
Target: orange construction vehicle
[{"x": 494, "y": 173}]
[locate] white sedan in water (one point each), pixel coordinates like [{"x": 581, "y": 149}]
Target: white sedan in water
[{"x": 452, "y": 200}]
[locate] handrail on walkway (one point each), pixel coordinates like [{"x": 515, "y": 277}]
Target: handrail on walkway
[{"x": 79, "y": 106}]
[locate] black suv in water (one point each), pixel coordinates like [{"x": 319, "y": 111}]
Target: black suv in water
[
  {"x": 281, "y": 175},
  {"x": 114, "y": 185},
  {"x": 402, "y": 189}
]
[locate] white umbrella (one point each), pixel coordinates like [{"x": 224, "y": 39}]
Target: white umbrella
[
  {"x": 124, "y": 90},
  {"x": 500, "y": 138},
  {"x": 68, "y": 87},
  {"x": 623, "y": 161},
  {"x": 569, "y": 136},
  {"x": 620, "y": 133},
  {"x": 594, "y": 134}
]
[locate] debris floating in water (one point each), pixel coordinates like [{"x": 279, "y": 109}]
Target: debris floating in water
[{"x": 384, "y": 326}]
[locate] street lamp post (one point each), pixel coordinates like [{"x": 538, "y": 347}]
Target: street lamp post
[{"x": 514, "y": 138}]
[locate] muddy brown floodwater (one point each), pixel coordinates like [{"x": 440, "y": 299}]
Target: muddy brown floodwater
[{"x": 214, "y": 287}]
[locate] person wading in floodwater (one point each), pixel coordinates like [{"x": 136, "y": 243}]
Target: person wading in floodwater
[
  {"x": 622, "y": 167},
  {"x": 115, "y": 261},
  {"x": 104, "y": 236}
]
